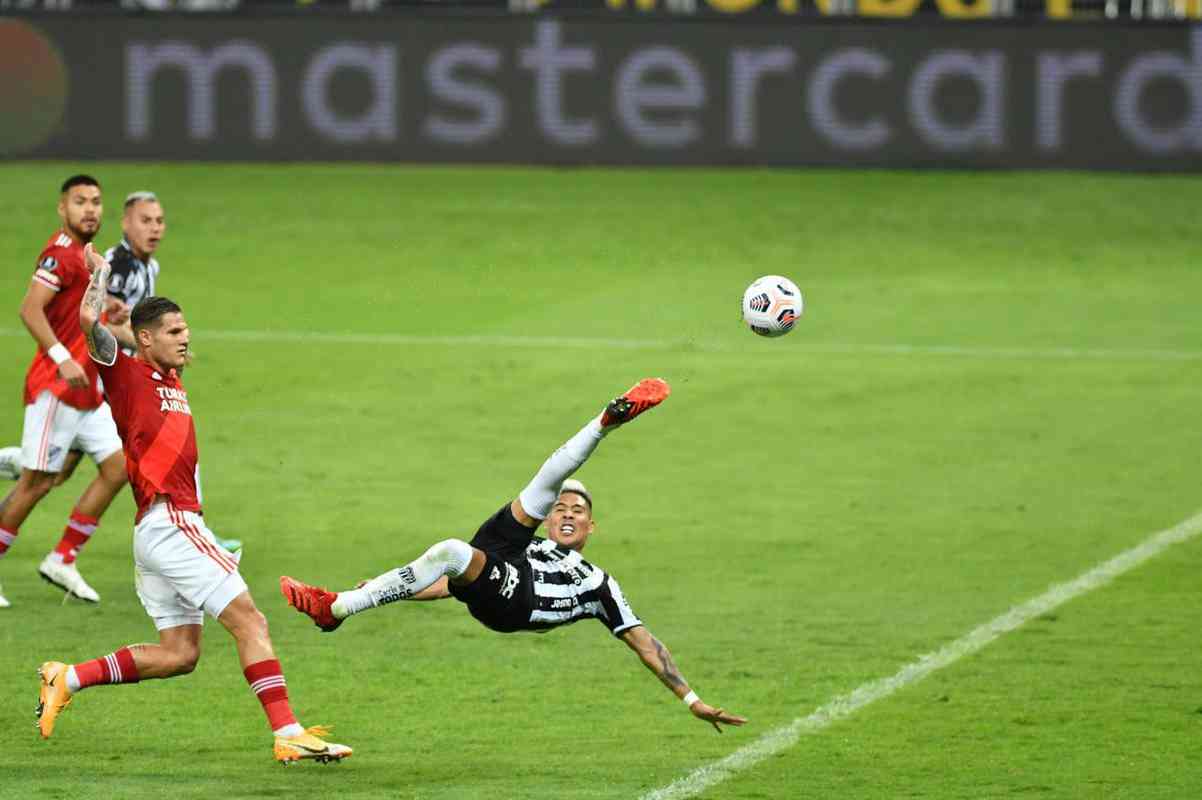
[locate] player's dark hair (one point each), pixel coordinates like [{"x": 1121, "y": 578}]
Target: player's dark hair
[
  {"x": 148, "y": 312},
  {"x": 79, "y": 180}
]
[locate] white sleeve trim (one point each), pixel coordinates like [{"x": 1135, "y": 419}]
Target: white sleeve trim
[
  {"x": 38, "y": 276},
  {"x": 116, "y": 355}
]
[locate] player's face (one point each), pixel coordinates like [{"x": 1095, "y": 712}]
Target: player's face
[
  {"x": 80, "y": 210},
  {"x": 168, "y": 343},
  {"x": 144, "y": 225},
  {"x": 570, "y": 522}
]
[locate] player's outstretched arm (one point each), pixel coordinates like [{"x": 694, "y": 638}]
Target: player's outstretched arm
[
  {"x": 102, "y": 345},
  {"x": 655, "y": 656}
]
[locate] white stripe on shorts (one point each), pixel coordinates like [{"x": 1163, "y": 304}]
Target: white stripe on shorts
[
  {"x": 199, "y": 541},
  {"x": 51, "y": 408}
]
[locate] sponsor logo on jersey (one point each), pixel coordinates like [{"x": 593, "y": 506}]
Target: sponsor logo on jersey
[
  {"x": 49, "y": 263},
  {"x": 173, "y": 400},
  {"x": 511, "y": 581}
]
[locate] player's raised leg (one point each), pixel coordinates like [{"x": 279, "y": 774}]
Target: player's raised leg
[
  {"x": 451, "y": 558},
  {"x": 263, "y": 672},
  {"x": 534, "y": 502},
  {"x": 422, "y": 579}
]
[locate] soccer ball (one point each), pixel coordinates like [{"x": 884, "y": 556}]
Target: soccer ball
[{"x": 771, "y": 305}]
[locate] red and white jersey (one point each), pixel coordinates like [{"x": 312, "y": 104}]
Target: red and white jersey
[
  {"x": 155, "y": 422},
  {"x": 61, "y": 267}
]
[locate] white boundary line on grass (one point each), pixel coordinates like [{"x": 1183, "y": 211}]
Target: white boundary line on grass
[
  {"x": 845, "y": 705},
  {"x": 583, "y": 342}
]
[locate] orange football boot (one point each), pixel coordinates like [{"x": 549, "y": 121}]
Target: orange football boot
[
  {"x": 310, "y": 600},
  {"x": 643, "y": 396}
]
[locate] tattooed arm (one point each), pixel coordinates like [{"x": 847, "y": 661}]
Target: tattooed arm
[
  {"x": 657, "y": 659},
  {"x": 102, "y": 345}
]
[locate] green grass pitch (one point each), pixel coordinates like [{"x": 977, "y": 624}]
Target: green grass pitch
[{"x": 996, "y": 385}]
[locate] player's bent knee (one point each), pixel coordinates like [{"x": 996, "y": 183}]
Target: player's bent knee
[
  {"x": 38, "y": 484},
  {"x": 453, "y": 555},
  {"x": 186, "y": 661}
]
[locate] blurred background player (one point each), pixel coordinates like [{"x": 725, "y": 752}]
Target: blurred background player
[
  {"x": 63, "y": 405},
  {"x": 181, "y": 573},
  {"x": 511, "y": 580},
  {"x": 134, "y": 272}
]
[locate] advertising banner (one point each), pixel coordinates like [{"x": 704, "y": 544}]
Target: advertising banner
[{"x": 546, "y": 90}]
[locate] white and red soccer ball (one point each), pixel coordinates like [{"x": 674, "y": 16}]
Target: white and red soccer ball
[{"x": 771, "y": 305}]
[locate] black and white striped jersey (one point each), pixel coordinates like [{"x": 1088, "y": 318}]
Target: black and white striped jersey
[
  {"x": 567, "y": 589},
  {"x": 132, "y": 280}
]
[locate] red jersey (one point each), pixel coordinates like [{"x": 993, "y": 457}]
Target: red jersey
[
  {"x": 61, "y": 267},
  {"x": 155, "y": 423}
]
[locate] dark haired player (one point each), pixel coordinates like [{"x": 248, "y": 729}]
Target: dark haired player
[
  {"x": 511, "y": 580},
  {"x": 63, "y": 405},
  {"x": 134, "y": 273},
  {"x": 181, "y": 572}
]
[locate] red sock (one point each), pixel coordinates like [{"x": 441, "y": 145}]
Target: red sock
[
  {"x": 7, "y": 538},
  {"x": 266, "y": 680},
  {"x": 118, "y": 667},
  {"x": 80, "y": 528}
]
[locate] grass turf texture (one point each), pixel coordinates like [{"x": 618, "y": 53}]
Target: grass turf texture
[{"x": 802, "y": 516}]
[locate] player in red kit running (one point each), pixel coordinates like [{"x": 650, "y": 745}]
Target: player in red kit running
[
  {"x": 63, "y": 405},
  {"x": 181, "y": 572}
]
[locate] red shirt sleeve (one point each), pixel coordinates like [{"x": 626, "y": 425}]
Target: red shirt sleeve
[
  {"x": 53, "y": 268},
  {"x": 117, "y": 383}
]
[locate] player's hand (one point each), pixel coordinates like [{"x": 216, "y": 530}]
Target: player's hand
[
  {"x": 714, "y": 716},
  {"x": 96, "y": 262},
  {"x": 73, "y": 374},
  {"x": 116, "y": 311}
]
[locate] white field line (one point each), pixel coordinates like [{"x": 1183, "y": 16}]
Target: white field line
[
  {"x": 784, "y": 737},
  {"x": 602, "y": 343}
]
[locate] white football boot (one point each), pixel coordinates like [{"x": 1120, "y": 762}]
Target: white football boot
[
  {"x": 4, "y": 600},
  {"x": 67, "y": 578},
  {"x": 10, "y": 463}
]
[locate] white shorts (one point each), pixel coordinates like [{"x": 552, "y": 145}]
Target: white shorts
[
  {"x": 53, "y": 427},
  {"x": 181, "y": 570}
]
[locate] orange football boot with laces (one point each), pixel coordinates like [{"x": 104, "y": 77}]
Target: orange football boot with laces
[{"x": 643, "y": 396}]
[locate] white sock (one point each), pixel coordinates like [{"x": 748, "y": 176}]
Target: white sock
[
  {"x": 450, "y": 557},
  {"x": 72, "y": 680},
  {"x": 290, "y": 730},
  {"x": 538, "y": 497}
]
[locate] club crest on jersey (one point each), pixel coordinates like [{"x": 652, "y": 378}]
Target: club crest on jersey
[{"x": 173, "y": 400}]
